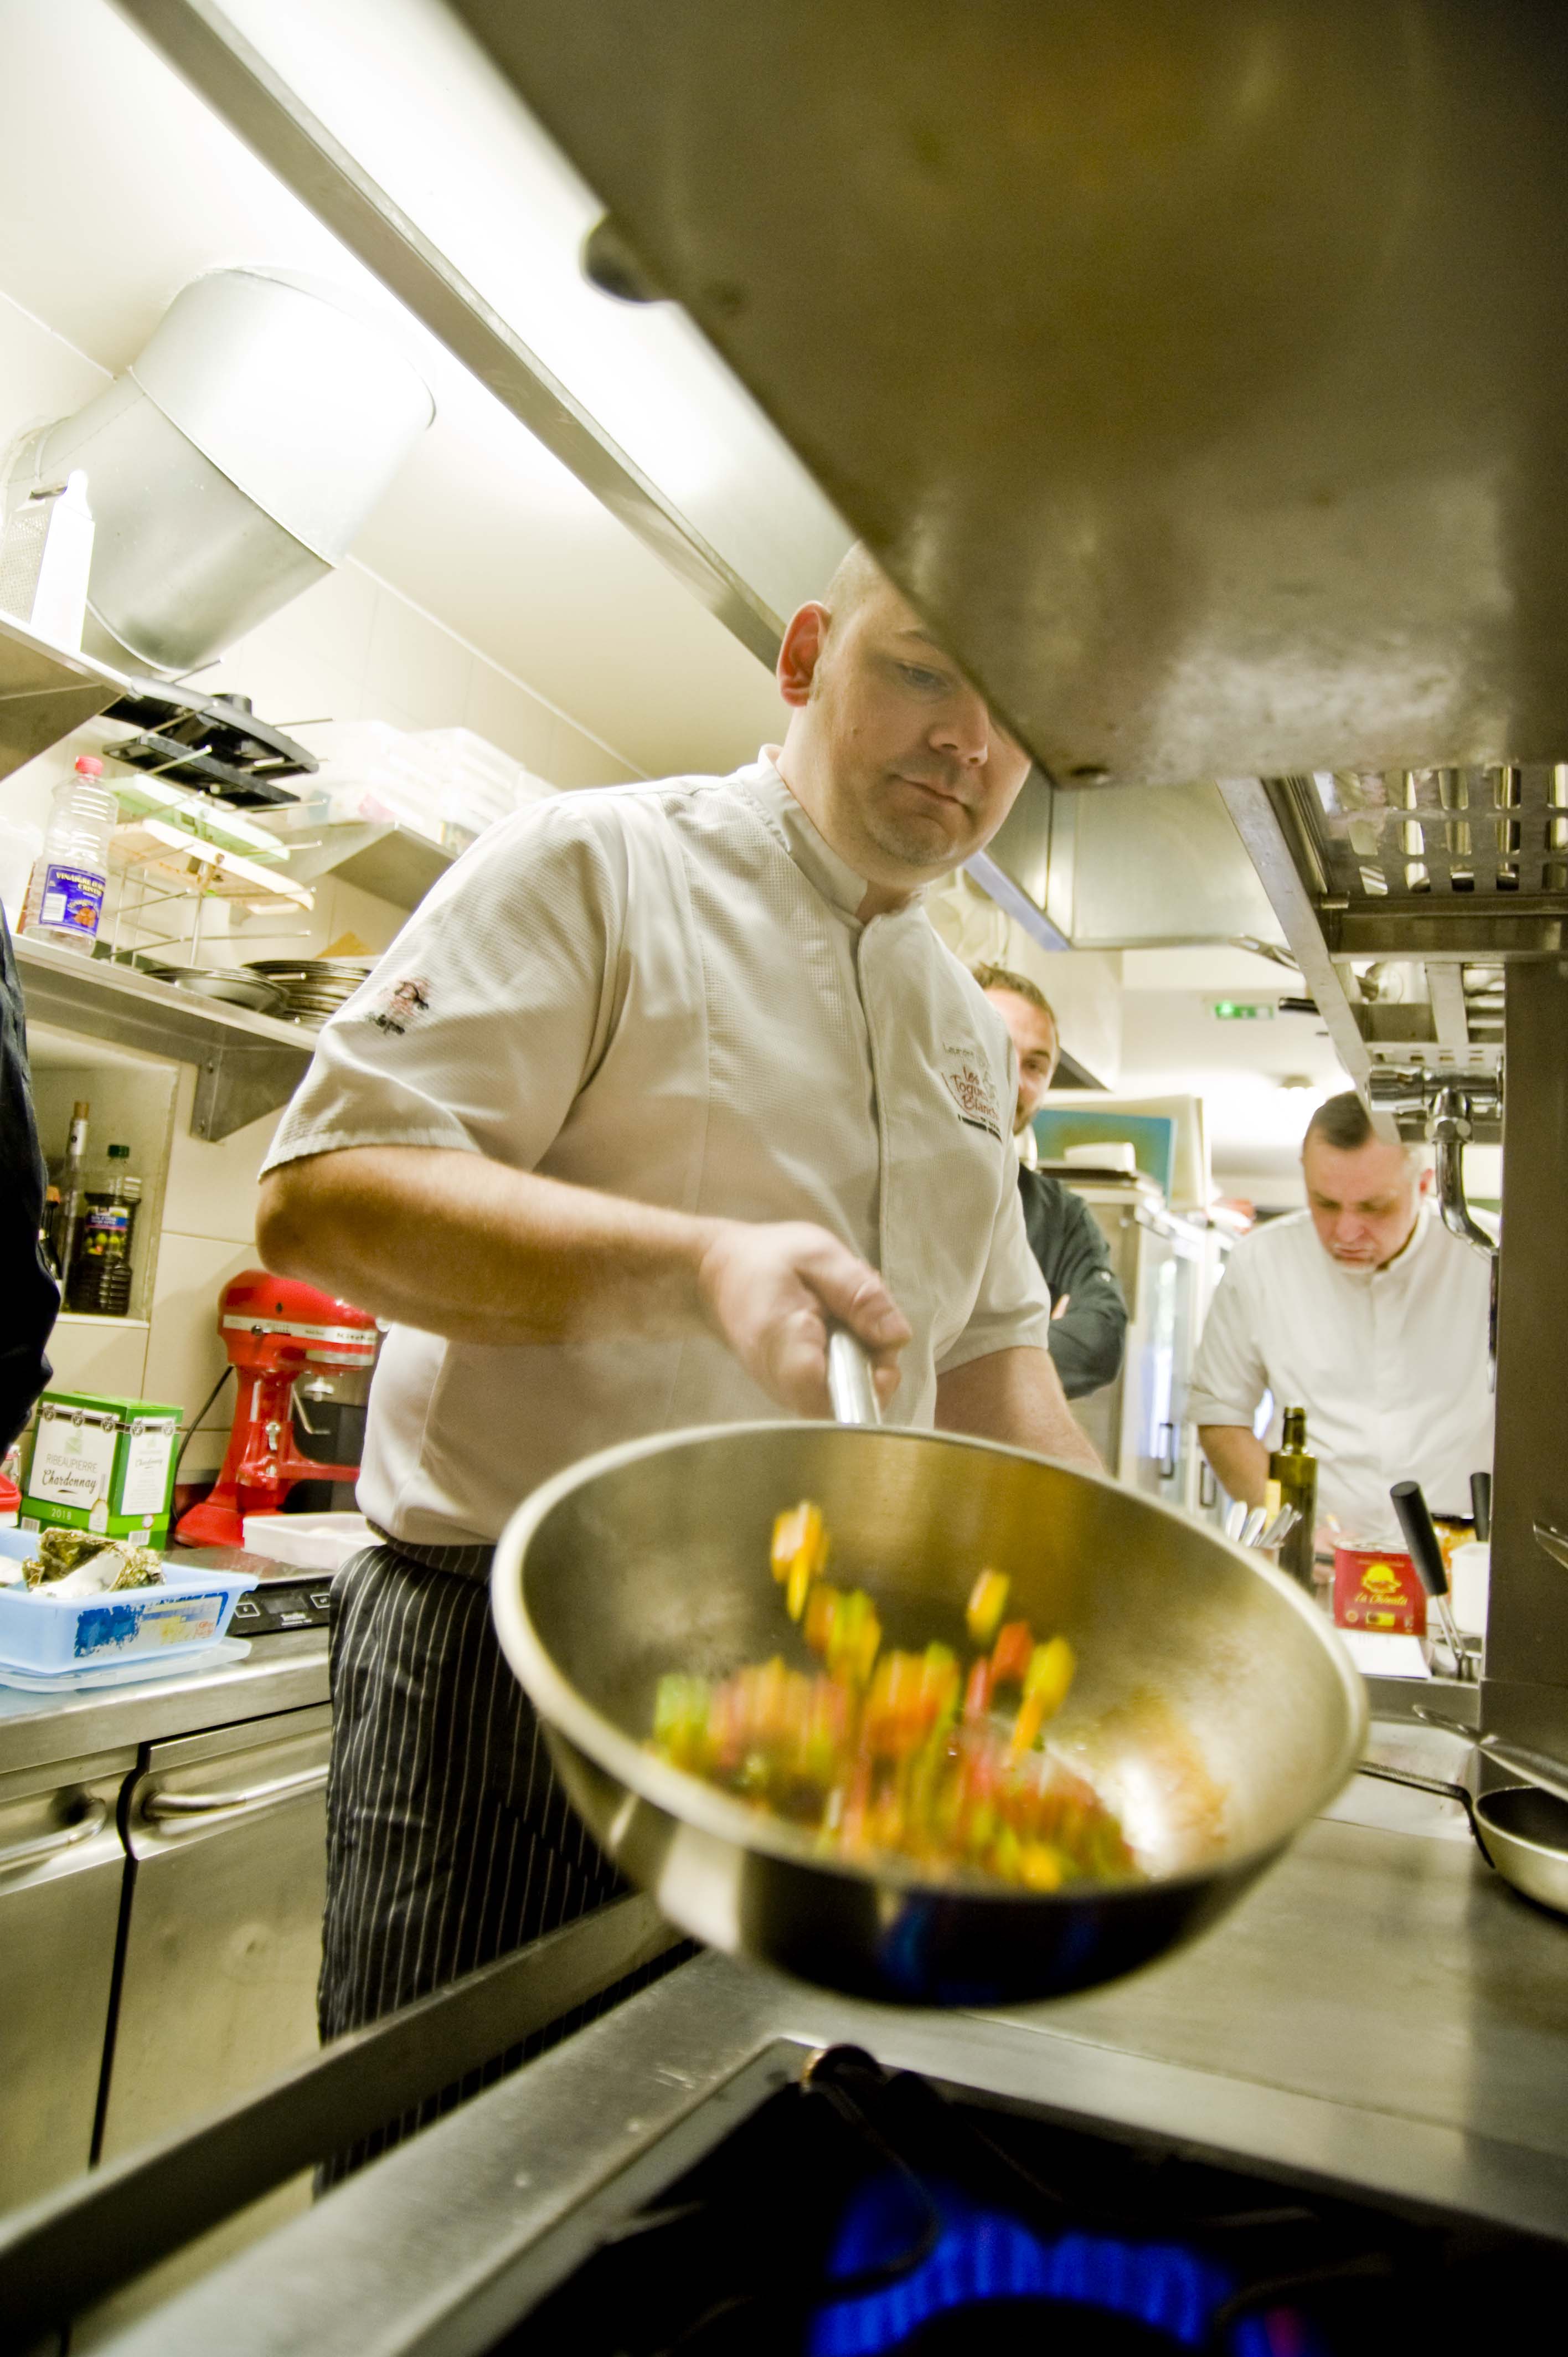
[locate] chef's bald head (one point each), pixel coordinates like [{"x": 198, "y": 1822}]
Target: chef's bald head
[{"x": 857, "y": 577}]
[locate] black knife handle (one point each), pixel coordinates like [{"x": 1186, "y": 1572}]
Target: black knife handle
[
  {"x": 1481, "y": 1504},
  {"x": 1420, "y": 1537}
]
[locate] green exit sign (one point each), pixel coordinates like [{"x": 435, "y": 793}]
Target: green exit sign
[{"x": 1241, "y": 1010}]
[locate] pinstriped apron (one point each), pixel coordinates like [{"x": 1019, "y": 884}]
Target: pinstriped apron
[{"x": 450, "y": 1841}]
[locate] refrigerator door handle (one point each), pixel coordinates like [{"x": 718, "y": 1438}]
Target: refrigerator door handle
[
  {"x": 92, "y": 1820},
  {"x": 160, "y": 1807}
]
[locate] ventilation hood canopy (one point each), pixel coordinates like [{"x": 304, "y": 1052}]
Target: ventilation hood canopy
[
  {"x": 232, "y": 464},
  {"x": 1196, "y": 370}
]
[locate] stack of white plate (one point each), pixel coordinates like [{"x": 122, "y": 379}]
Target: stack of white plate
[{"x": 313, "y": 988}]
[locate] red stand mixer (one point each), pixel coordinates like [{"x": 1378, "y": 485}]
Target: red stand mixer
[{"x": 275, "y": 1330}]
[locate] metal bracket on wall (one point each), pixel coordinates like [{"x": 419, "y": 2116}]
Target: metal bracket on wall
[{"x": 239, "y": 1084}]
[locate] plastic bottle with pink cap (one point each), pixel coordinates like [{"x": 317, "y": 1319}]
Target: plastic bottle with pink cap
[{"x": 71, "y": 875}]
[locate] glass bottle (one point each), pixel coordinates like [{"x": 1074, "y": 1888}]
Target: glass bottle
[
  {"x": 69, "y": 1178},
  {"x": 1293, "y": 1467},
  {"x": 100, "y": 1280}
]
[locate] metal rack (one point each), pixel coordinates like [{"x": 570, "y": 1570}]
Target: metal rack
[{"x": 1432, "y": 880}]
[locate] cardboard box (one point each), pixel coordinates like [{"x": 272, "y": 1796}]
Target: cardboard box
[
  {"x": 1377, "y": 1589},
  {"x": 98, "y": 1464}
]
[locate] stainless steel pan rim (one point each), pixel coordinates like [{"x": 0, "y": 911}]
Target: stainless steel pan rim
[{"x": 691, "y": 1800}]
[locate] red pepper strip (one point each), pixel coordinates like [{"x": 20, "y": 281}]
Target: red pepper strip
[{"x": 1011, "y": 1654}]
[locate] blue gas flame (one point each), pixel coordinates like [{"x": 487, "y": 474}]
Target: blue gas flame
[{"x": 984, "y": 2255}]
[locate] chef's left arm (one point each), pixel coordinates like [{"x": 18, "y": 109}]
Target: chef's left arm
[
  {"x": 1015, "y": 1397},
  {"x": 997, "y": 1381}
]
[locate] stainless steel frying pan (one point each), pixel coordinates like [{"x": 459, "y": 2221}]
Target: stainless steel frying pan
[{"x": 1214, "y": 1709}]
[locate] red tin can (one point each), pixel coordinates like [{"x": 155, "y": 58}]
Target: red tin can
[{"x": 1378, "y": 1589}]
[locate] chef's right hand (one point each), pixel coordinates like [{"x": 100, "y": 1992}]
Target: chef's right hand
[{"x": 769, "y": 1292}]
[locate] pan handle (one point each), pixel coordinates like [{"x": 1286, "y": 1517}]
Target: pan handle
[
  {"x": 850, "y": 1386},
  {"x": 1438, "y": 1784}
]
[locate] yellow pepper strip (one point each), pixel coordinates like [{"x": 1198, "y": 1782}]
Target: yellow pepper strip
[
  {"x": 1046, "y": 1682},
  {"x": 1039, "y": 1866},
  {"x": 799, "y": 1553},
  {"x": 798, "y": 1532},
  {"x": 987, "y": 1602}
]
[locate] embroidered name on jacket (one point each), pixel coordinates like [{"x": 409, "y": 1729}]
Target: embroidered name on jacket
[
  {"x": 397, "y": 1008},
  {"x": 973, "y": 1089}
]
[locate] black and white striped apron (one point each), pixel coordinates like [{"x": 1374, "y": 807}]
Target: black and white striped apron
[{"x": 450, "y": 1841}]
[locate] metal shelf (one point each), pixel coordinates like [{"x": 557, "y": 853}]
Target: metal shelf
[
  {"x": 395, "y": 863},
  {"x": 247, "y": 1065},
  {"x": 45, "y": 692}
]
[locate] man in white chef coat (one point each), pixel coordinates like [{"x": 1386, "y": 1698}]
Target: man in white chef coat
[
  {"x": 656, "y": 1082},
  {"x": 1366, "y": 1311}
]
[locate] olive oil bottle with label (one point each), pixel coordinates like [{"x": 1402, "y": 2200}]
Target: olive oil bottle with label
[{"x": 1293, "y": 1467}]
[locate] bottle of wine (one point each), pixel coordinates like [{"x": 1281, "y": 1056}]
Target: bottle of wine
[{"x": 1293, "y": 1467}]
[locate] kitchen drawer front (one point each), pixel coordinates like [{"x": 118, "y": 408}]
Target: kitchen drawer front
[
  {"x": 62, "y": 1871},
  {"x": 223, "y": 1944}
]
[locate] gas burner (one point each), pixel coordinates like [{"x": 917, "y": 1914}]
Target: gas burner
[{"x": 859, "y": 2213}]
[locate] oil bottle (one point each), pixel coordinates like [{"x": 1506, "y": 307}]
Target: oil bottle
[{"x": 1293, "y": 1467}]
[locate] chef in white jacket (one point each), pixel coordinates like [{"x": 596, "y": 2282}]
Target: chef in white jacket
[
  {"x": 1366, "y": 1311},
  {"x": 655, "y": 1084}
]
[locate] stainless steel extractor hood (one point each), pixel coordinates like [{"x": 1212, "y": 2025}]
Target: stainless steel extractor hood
[
  {"x": 1198, "y": 369},
  {"x": 231, "y": 465}
]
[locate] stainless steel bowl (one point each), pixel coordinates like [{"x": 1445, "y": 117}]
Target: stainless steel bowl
[{"x": 1214, "y": 1709}]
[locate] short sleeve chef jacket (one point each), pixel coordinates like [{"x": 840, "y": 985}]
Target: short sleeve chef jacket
[
  {"x": 663, "y": 992},
  {"x": 1390, "y": 1364}
]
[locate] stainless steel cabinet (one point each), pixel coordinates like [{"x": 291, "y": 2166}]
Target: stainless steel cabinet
[
  {"x": 62, "y": 1871},
  {"x": 227, "y": 1835}
]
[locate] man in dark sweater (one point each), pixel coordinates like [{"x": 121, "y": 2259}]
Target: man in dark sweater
[{"x": 1089, "y": 1312}]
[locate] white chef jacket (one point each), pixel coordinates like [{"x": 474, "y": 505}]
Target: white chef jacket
[
  {"x": 664, "y": 992},
  {"x": 1390, "y": 1364}
]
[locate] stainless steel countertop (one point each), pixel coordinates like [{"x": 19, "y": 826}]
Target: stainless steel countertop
[
  {"x": 280, "y": 1673},
  {"x": 1381, "y": 2012}
]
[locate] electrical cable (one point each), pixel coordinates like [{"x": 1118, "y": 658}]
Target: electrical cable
[{"x": 191, "y": 1428}]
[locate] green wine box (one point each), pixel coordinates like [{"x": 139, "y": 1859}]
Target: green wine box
[{"x": 98, "y": 1464}]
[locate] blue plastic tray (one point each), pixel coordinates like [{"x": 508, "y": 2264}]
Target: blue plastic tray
[{"x": 40, "y": 1632}]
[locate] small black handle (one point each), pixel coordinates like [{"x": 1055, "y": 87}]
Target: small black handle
[
  {"x": 1420, "y": 1536},
  {"x": 1481, "y": 1504}
]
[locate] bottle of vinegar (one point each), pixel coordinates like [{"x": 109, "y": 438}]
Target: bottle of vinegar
[{"x": 1293, "y": 1467}]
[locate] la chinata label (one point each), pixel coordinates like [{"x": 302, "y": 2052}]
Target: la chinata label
[{"x": 1378, "y": 1591}]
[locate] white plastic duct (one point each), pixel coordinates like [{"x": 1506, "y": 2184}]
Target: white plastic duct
[{"x": 231, "y": 466}]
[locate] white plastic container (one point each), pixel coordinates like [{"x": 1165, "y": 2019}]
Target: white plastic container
[
  {"x": 46, "y": 558},
  {"x": 313, "y": 1542},
  {"x": 59, "y": 1634},
  {"x": 71, "y": 875},
  {"x": 1470, "y": 1577}
]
